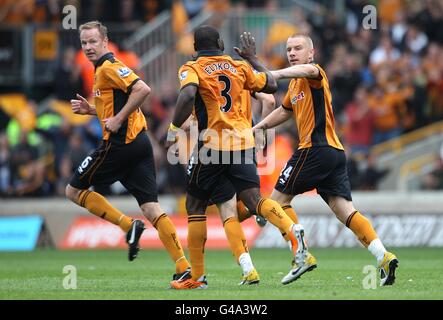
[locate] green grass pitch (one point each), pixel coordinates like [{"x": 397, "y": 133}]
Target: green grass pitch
[{"x": 106, "y": 274}]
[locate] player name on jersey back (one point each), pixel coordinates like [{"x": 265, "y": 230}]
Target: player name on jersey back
[{"x": 219, "y": 66}]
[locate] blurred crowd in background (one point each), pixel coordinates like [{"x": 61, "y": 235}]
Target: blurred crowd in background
[{"x": 385, "y": 82}]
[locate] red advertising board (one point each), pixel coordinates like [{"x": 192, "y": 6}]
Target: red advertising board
[{"x": 92, "y": 233}]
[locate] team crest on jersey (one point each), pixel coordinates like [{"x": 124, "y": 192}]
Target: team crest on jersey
[
  {"x": 297, "y": 97},
  {"x": 96, "y": 93},
  {"x": 124, "y": 72},
  {"x": 183, "y": 75}
]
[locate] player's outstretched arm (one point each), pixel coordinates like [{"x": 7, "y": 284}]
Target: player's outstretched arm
[
  {"x": 297, "y": 71},
  {"x": 247, "y": 52},
  {"x": 276, "y": 117}
]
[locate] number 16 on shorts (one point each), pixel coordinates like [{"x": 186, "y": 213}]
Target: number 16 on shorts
[{"x": 84, "y": 164}]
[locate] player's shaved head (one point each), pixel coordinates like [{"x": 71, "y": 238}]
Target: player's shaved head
[
  {"x": 207, "y": 38},
  {"x": 307, "y": 39}
]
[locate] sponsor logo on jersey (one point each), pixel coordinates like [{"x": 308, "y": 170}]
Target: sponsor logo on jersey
[
  {"x": 183, "y": 75},
  {"x": 124, "y": 72},
  {"x": 297, "y": 97}
]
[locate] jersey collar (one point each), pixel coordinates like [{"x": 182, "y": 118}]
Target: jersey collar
[
  {"x": 208, "y": 53},
  {"x": 103, "y": 58}
]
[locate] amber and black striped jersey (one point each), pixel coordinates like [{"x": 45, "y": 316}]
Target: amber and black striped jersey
[
  {"x": 113, "y": 82},
  {"x": 246, "y": 105},
  {"x": 220, "y": 99},
  {"x": 311, "y": 102}
]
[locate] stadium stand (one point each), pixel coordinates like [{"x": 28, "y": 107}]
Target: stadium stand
[{"x": 386, "y": 82}]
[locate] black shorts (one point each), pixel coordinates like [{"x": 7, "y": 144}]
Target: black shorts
[
  {"x": 132, "y": 164},
  {"x": 323, "y": 168},
  {"x": 224, "y": 191},
  {"x": 207, "y": 168}
]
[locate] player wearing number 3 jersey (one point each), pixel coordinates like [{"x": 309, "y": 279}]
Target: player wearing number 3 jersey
[
  {"x": 213, "y": 86},
  {"x": 218, "y": 102}
]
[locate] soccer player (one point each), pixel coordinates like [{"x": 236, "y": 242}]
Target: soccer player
[
  {"x": 214, "y": 83},
  {"x": 225, "y": 199},
  {"x": 319, "y": 162},
  {"x": 126, "y": 152}
]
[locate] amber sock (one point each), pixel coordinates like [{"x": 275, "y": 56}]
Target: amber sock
[
  {"x": 271, "y": 211},
  {"x": 168, "y": 236},
  {"x": 196, "y": 244},
  {"x": 236, "y": 237},
  {"x": 98, "y": 205},
  {"x": 361, "y": 227},
  {"x": 292, "y": 215}
]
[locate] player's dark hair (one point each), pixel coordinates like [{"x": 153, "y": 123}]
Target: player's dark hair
[{"x": 207, "y": 38}]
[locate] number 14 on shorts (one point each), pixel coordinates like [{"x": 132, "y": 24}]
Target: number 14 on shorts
[{"x": 284, "y": 175}]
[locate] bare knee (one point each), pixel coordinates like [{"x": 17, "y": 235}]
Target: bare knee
[
  {"x": 151, "y": 210},
  {"x": 228, "y": 209},
  {"x": 72, "y": 193},
  {"x": 341, "y": 207},
  {"x": 282, "y": 198}
]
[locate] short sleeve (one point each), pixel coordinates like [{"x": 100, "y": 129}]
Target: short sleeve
[
  {"x": 286, "y": 103},
  {"x": 317, "y": 83},
  {"x": 255, "y": 81},
  {"x": 120, "y": 76},
  {"x": 187, "y": 76}
]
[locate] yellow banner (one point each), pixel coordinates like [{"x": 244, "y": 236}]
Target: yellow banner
[{"x": 45, "y": 44}]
